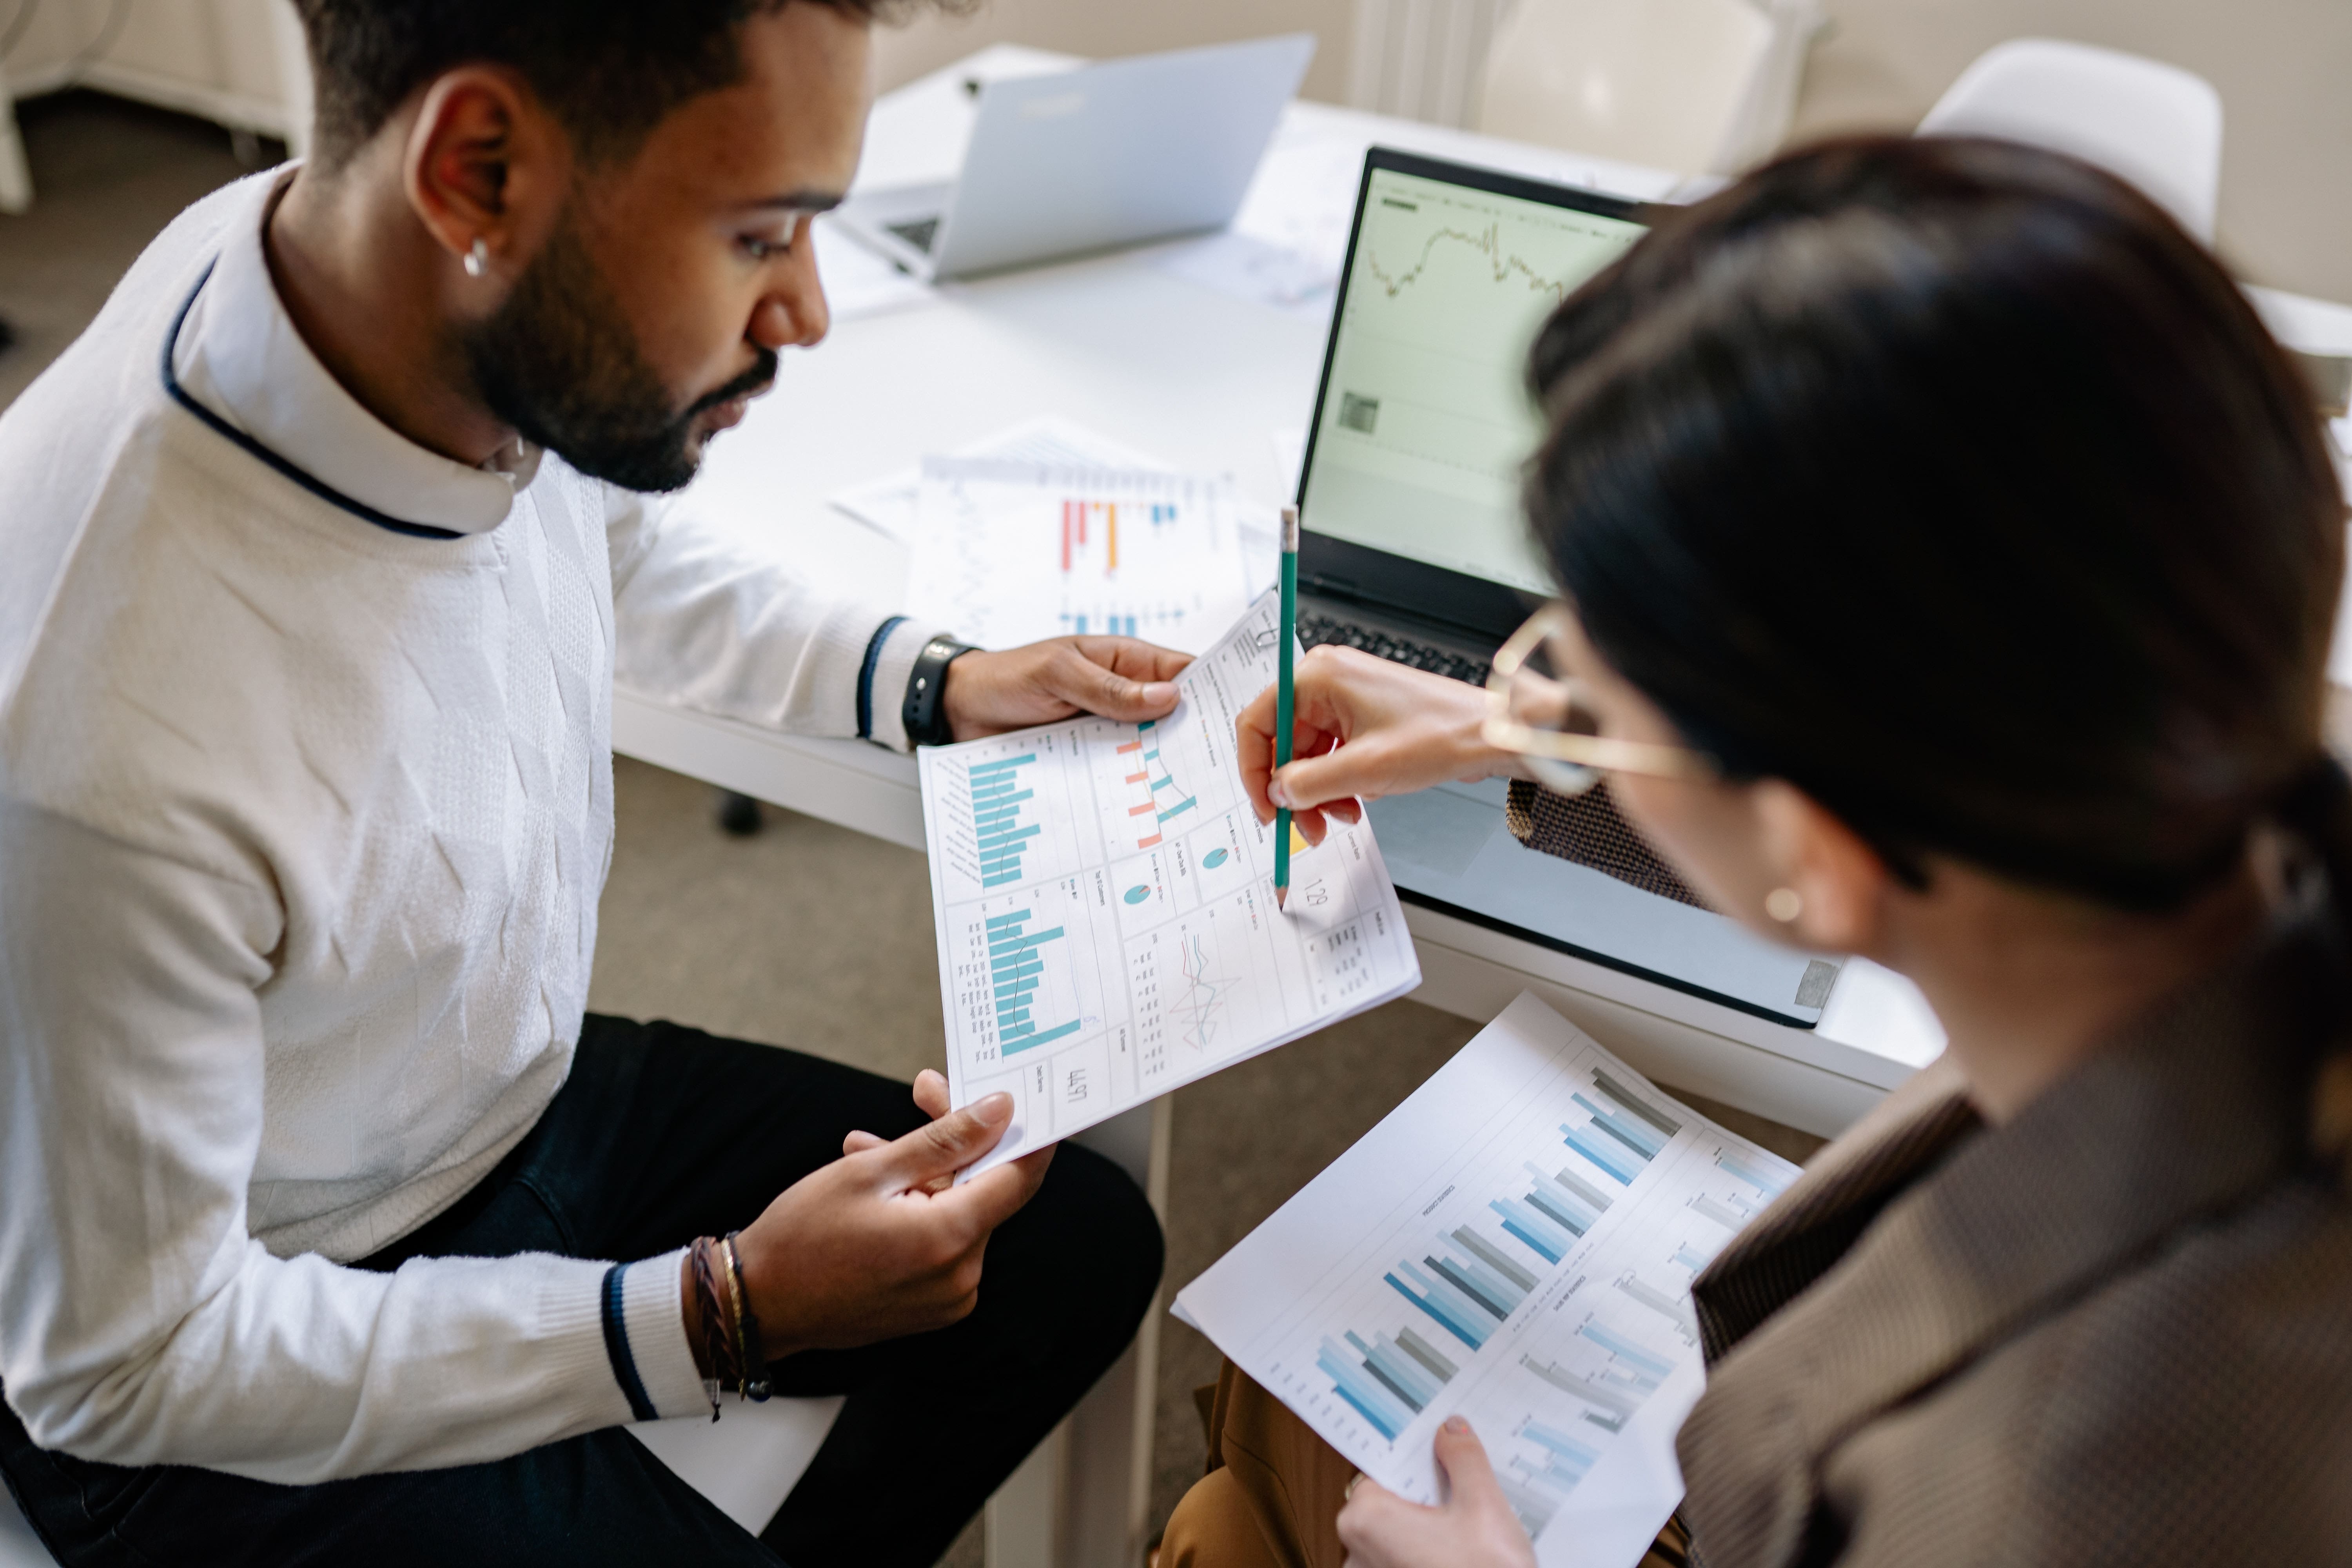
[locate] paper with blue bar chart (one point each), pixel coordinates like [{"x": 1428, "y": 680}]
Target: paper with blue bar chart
[
  {"x": 1514, "y": 1244},
  {"x": 1104, "y": 900},
  {"x": 1010, "y": 552}
]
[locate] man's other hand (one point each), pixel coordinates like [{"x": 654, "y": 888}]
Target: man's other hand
[
  {"x": 880, "y": 1243},
  {"x": 1119, "y": 678}
]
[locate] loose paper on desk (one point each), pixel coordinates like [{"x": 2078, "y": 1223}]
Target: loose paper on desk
[
  {"x": 1103, "y": 898},
  {"x": 1514, "y": 1244},
  {"x": 1008, "y": 552},
  {"x": 888, "y": 505}
]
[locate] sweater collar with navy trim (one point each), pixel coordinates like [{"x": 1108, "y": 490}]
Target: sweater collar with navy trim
[{"x": 238, "y": 354}]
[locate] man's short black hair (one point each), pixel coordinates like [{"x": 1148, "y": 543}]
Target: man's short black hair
[{"x": 609, "y": 70}]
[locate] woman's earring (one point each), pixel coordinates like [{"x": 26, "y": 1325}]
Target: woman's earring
[
  {"x": 1784, "y": 904},
  {"x": 477, "y": 260}
]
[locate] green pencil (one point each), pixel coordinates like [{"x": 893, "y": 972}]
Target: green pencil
[{"x": 1283, "y": 698}]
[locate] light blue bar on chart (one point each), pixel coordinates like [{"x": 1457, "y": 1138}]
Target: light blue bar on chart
[
  {"x": 1616, "y": 1161},
  {"x": 1626, "y": 1351},
  {"x": 1543, "y": 1237},
  {"x": 1454, "y": 1318},
  {"x": 997, "y": 922},
  {"x": 1644, "y": 1141},
  {"x": 980, "y": 769},
  {"x": 1159, "y": 784},
  {"x": 1374, "y": 1402},
  {"x": 1002, "y": 975},
  {"x": 1001, "y": 840},
  {"x": 1179, "y": 810},
  {"x": 999, "y": 950},
  {"x": 1751, "y": 1175},
  {"x": 999, "y": 881},
  {"x": 1056, "y": 1033},
  {"x": 1561, "y": 1443},
  {"x": 1001, "y": 800}
]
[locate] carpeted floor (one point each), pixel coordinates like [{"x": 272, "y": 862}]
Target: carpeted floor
[{"x": 805, "y": 935}]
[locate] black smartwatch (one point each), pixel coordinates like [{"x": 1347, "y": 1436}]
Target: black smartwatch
[{"x": 925, "y": 711}]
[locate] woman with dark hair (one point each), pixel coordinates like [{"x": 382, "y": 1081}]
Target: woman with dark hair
[{"x": 1947, "y": 560}]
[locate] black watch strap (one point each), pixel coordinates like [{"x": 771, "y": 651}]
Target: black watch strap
[{"x": 925, "y": 711}]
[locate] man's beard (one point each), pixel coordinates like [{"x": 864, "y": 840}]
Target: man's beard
[{"x": 557, "y": 362}]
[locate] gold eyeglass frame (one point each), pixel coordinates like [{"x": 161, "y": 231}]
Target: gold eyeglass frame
[{"x": 1595, "y": 754}]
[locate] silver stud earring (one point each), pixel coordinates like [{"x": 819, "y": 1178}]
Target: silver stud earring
[
  {"x": 477, "y": 260},
  {"x": 1784, "y": 904}
]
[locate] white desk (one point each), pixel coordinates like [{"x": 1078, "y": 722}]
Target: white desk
[{"x": 1201, "y": 379}]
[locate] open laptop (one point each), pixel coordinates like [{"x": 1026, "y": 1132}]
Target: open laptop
[
  {"x": 1414, "y": 547},
  {"x": 1108, "y": 154}
]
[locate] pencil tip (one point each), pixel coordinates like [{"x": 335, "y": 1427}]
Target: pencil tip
[{"x": 1282, "y": 898}]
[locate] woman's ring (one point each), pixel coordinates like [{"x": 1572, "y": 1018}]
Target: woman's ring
[{"x": 1350, "y": 1492}]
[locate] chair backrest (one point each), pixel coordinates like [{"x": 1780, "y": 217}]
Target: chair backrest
[
  {"x": 1664, "y": 83},
  {"x": 2154, "y": 124}
]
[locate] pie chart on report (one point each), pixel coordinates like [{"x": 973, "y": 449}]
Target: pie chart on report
[
  {"x": 1136, "y": 895},
  {"x": 1214, "y": 859}
]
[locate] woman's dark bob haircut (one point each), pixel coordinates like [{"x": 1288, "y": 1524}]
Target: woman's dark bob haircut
[{"x": 1952, "y": 482}]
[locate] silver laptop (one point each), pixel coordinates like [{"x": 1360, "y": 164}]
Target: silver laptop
[
  {"x": 1414, "y": 547},
  {"x": 1103, "y": 155}
]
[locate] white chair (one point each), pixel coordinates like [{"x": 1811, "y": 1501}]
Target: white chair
[
  {"x": 1692, "y": 86},
  {"x": 2153, "y": 124},
  {"x": 745, "y": 1463}
]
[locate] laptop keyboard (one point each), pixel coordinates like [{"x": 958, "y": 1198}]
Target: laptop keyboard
[
  {"x": 1320, "y": 630},
  {"x": 918, "y": 234}
]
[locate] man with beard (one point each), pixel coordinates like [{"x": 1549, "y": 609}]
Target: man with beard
[{"x": 331, "y": 1229}]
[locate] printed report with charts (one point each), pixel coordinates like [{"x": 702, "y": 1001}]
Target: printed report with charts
[
  {"x": 1514, "y": 1244},
  {"x": 1103, "y": 898}
]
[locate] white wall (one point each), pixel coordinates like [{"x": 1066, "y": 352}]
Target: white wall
[{"x": 2283, "y": 68}]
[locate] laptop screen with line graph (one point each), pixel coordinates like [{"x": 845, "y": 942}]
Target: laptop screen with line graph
[{"x": 1424, "y": 418}]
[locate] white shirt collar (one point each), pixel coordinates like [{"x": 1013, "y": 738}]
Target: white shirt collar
[{"x": 238, "y": 354}]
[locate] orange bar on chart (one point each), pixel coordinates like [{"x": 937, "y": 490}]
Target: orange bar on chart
[
  {"x": 1146, "y": 843},
  {"x": 1140, "y": 810},
  {"x": 1110, "y": 516},
  {"x": 1134, "y": 746},
  {"x": 1065, "y": 535},
  {"x": 1137, "y": 778}
]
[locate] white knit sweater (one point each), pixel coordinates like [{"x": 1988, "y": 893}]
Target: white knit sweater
[{"x": 303, "y": 822}]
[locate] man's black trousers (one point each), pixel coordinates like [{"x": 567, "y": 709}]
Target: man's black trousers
[{"x": 661, "y": 1134}]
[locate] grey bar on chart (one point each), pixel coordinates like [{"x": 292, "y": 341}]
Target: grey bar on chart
[
  {"x": 1677, "y": 1311},
  {"x": 1421, "y": 1350},
  {"x": 1582, "y": 1189},
  {"x": 1717, "y": 1213},
  {"x": 1492, "y": 1256},
  {"x": 1600, "y": 1398},
  {"x": 1635, "y": 1103}
]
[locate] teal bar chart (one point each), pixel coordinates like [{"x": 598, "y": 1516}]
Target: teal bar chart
[
  {"x": 1003, "y": 817},
  {"x": 1016, "y": 962}
]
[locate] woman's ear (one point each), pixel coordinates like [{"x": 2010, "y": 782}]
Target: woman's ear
[{"x": 1840, "y": 883}]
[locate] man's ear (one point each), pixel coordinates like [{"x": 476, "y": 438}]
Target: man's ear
[
  {"x": 1840, "y": 880},
  {"x": 484, "y": 161}
]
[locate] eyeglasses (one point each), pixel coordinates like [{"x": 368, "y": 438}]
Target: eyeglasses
[{"x": 1543, "y": 717}]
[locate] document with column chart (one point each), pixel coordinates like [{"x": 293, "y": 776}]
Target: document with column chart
[
  {"x": 1009, "y": 553},
  {"x": 1514, "y": 1244},
  {"x": 1103, "y": 897}
]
